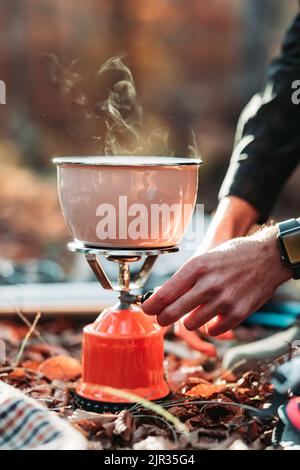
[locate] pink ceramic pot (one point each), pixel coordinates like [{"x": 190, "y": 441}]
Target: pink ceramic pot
[{"x": 127, "y": 202}]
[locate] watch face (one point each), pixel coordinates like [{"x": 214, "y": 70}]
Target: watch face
[{"x": 292, "y": 246}]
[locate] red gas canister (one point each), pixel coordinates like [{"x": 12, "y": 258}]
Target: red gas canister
[{"x": 122, "y": 349}]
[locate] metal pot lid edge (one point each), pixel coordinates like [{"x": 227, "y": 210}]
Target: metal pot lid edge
[{"x": 126, "y": 161}]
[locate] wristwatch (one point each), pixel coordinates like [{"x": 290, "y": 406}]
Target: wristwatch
[{"x": 289, "y": 244}]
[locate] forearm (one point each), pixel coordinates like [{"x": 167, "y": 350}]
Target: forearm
[
  {"x": 267, "y": 144},
  {"x": 233, "y": 218}
]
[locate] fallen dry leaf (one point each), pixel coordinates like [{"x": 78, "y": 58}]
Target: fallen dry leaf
[
  {"x": 60, "y": 368},
  {"x": 222, "y": 412},
  {"x": 145, "y": 430},
  {"x": 82, "y": 415},
  {"x": 17, "y": 373},
  {"x": 31, "y": 364},
  {"x": 48, "y": 350},
  {"x": 228, "y": 376},
  {"x": 205, "y": 390},
  {"x": 124, "y": 425},
  {"x": 89, "y": 427}
]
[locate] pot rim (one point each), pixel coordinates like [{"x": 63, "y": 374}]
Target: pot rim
[{"x": 125, "y": 161}]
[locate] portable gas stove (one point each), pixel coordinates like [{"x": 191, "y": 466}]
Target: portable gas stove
[{"x": 123, "y": 349}]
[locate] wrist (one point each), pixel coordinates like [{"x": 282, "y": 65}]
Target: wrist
[{"x": 271, "y": 255}]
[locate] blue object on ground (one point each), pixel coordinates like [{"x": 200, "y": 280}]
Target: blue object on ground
[{"x": 276, "y": 314}]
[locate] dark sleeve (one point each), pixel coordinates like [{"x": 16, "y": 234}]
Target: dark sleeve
[{"x": 267, "y": 145}]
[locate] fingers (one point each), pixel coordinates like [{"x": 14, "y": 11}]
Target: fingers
[
  {"x": 227, "y": 335},
  {"x": 180, "y": 307},
  {"x": 205, "y": 318},
  {"x": 222, "y": 323},
  {"x": 173, "y": 289},
  {"x": 199, "y": 316}
]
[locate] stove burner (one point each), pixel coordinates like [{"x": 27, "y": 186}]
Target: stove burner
[{"x": 108, "y": 407}]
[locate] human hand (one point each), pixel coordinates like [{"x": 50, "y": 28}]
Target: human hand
[{"x": 221, "y": 287}]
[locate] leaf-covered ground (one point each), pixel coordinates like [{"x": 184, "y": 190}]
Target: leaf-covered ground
[{"x": 44, "y": 362}]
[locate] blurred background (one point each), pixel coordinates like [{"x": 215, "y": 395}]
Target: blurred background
[{"x": 195, "y": 65}]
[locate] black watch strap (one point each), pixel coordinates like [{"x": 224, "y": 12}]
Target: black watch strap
[{"x": 286, "y": 227}]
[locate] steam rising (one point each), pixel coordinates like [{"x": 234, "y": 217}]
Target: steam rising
[
  {"x": 122, "y": 109},
  {"x": 124, "y": 132}
]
